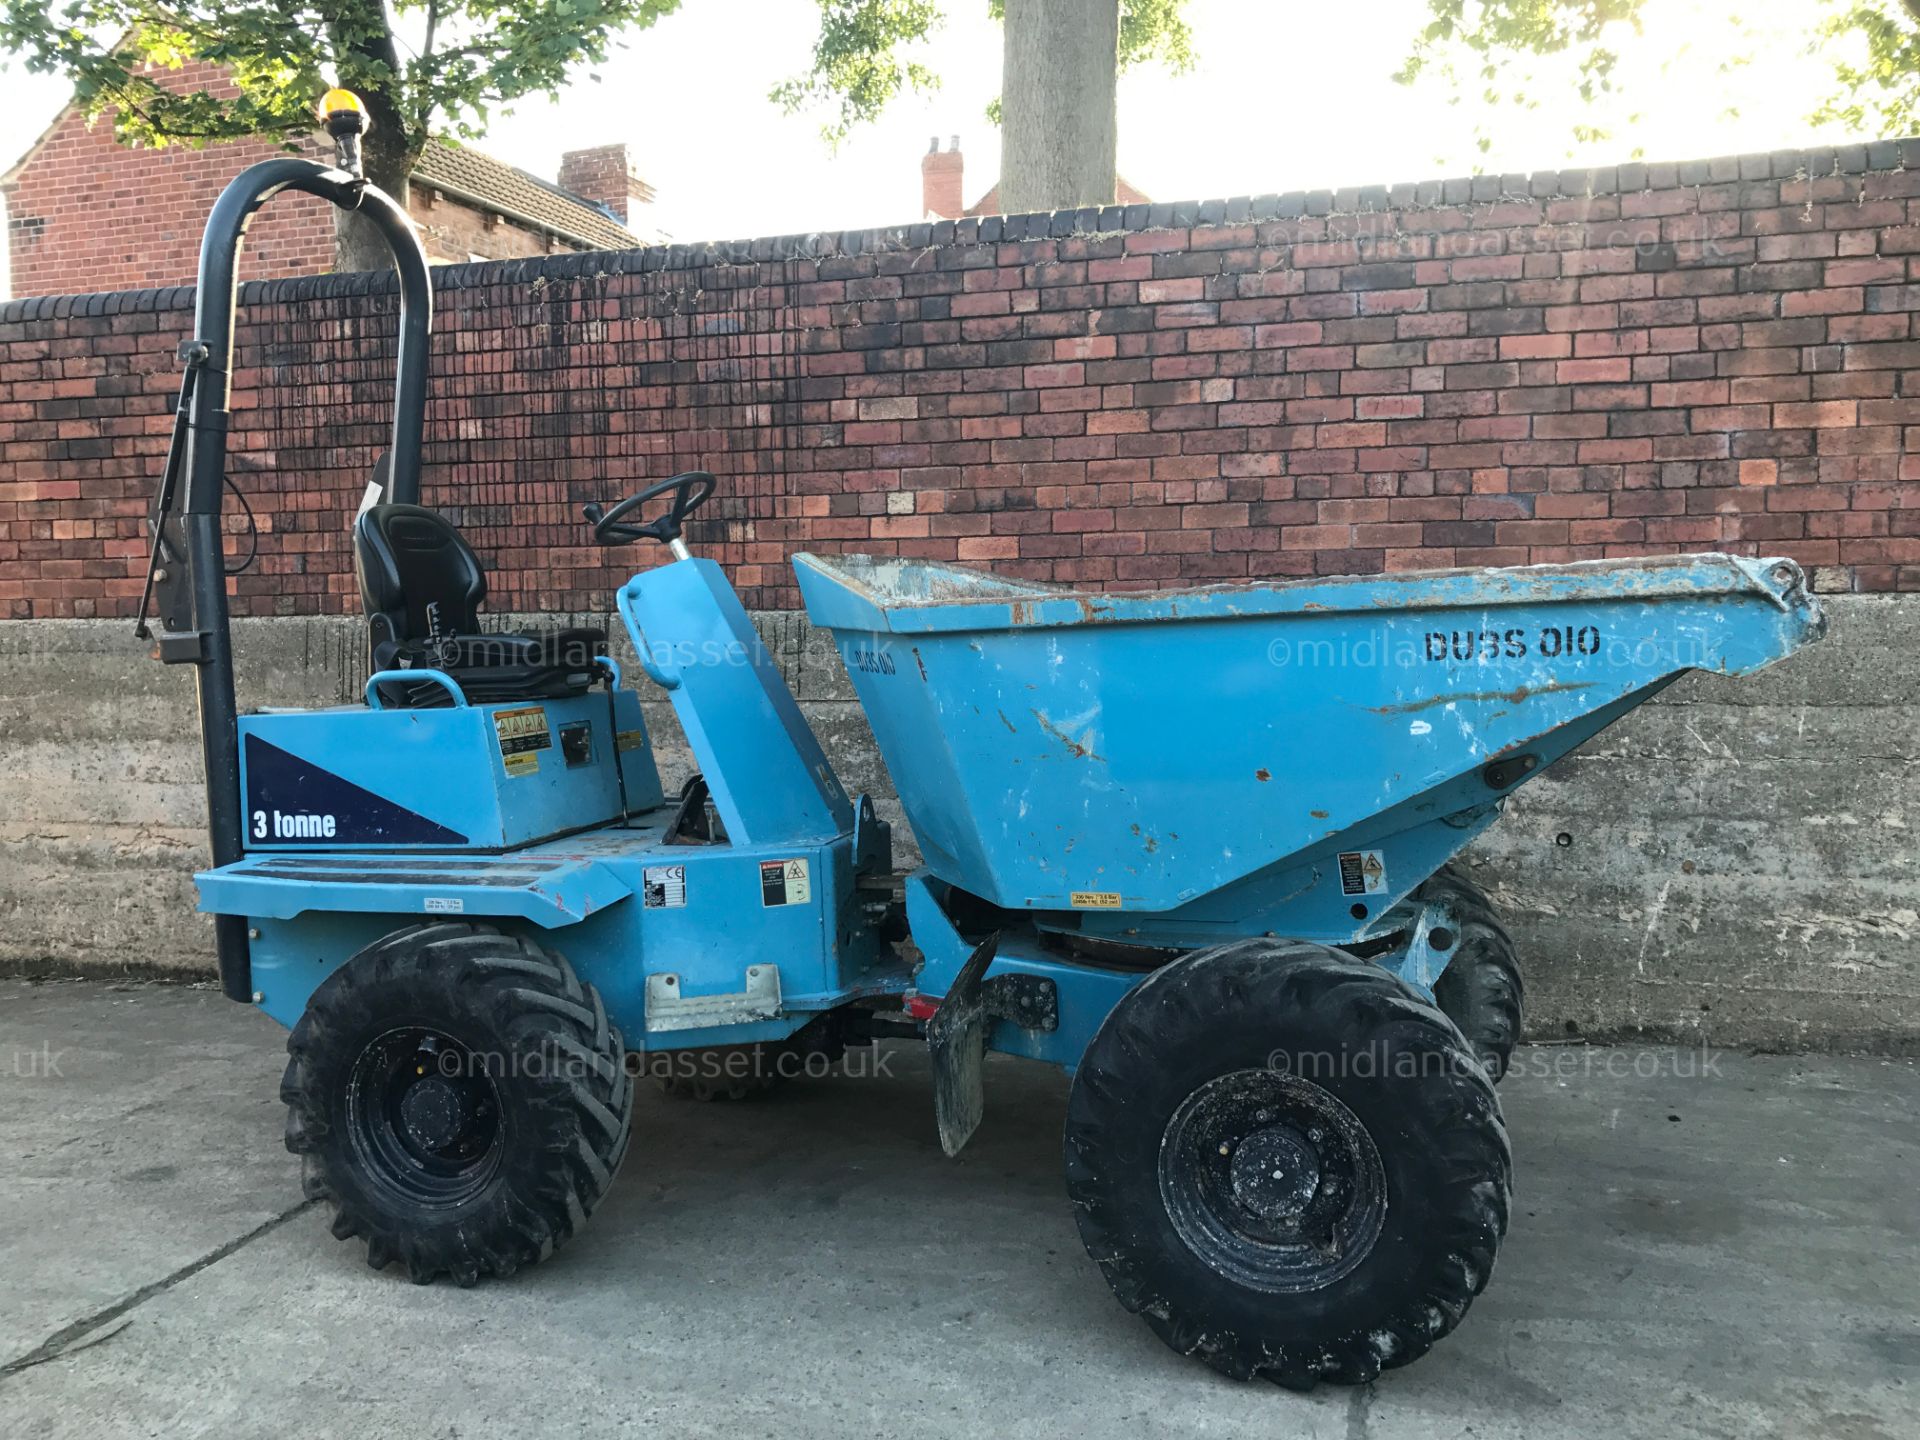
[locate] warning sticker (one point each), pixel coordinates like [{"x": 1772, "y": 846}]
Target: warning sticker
[
  {"x": 1095, "y": 899},
  {"x": 1363, "y": 872},
  {"x": 522, "y": 730},
  {"x": 525, "y": 763},
  {"x": 630, "y": 740},
  {"x": 664, "y": 887},
  {"x": 785, "y": 882}
]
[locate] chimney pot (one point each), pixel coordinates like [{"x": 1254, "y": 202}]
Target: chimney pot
[
  {"x": 942, "y": 179},
  {"x": 605, "y": 175}
]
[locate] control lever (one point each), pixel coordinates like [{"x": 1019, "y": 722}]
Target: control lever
[{"x": 194, "y": 353}]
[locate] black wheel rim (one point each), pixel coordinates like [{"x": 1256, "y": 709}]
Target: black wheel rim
[
  {"x": 423, "y": 1117},
  {"x": 1271, "y": 1181}
]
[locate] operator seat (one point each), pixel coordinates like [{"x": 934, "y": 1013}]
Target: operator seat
[{"x": 422, "y": 586}]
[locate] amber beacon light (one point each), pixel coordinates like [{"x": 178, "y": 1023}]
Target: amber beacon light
[{"x": 345, "y": 118}]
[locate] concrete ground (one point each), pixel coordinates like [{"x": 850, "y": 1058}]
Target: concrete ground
[{"x": 1710, "y": 1245}]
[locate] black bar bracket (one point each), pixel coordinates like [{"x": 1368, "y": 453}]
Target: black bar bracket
[
  {"x": 180, "y": 647},
  {"x": 1508, "y": 770}
]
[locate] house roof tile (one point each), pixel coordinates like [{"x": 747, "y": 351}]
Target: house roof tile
[{"x": 514, "y": 193}]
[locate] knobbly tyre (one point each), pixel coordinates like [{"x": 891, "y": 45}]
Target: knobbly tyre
[{"x": 1188, "y": 846}]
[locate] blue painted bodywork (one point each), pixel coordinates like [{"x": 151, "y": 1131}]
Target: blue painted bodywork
[
  {"x": 770, "y": 778},
  {"x": 1086, "y": 992},
  {"x": 584, "y": 896},
  {"x": 483, "y": 777},
  {"x": 574, "y": 852},
  {"x": 371, "y": 690},
  {"x": 1176, "y": 767},
  {"x": 1102, "y": 779}
]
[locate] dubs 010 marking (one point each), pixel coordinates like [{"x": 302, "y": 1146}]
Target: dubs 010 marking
[{"x": 1481, "y": 646}]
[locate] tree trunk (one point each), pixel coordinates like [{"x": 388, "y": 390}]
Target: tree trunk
[
  {"x": 357, "y": 245},
  {"x": 368, "y": 62},
  {"x": 1057, "y": 104}
]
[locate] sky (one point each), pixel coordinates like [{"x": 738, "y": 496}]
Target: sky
[{"x": 1286, "y": 95}]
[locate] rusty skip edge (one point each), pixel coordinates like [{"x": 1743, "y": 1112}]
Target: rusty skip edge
[{"x": 921, "y": 603}]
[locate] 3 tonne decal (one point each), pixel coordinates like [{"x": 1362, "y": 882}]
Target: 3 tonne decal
[{"x": 291, "y": 801}]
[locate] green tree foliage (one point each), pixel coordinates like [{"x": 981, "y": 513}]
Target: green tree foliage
[
  {"x": 467, "y": 57},
  {"x": 1873, "y": 46},
  {"x": 1879, "y": 95},
  {"x": 859, "y": 64},
  {"x": 427, "y": 68}
]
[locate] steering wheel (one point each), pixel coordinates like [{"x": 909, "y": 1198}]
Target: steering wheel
[{"x": 689, "y": 490}]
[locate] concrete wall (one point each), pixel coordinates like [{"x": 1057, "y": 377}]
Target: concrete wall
[{"x": 1738, "y": 863}]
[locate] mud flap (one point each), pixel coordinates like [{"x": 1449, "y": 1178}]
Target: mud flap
[{"x": 957, "y": 1043}]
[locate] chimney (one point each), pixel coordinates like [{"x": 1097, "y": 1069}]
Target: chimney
[
  {"x": 941, "y": 179},
  {"x": 606, "y": 176}
]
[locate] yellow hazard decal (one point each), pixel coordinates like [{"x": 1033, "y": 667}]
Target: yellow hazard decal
[{"x": 524, "y": 728}]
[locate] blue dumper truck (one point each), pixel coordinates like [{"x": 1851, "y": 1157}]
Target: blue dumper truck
[{"x": 1190, "y": 846}]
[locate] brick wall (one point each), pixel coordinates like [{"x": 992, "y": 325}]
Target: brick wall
[
  {"x": 88, "y": 213},
  {"x": 454, "y": 233},
  {"x": 1503, "y": 370}
]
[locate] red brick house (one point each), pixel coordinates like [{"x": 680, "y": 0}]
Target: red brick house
[
  {"x": 943, "y": 186},
  {"x": 86, "y": 214}
]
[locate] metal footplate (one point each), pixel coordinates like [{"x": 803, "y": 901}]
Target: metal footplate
[{"x": 668, "y": 1009}]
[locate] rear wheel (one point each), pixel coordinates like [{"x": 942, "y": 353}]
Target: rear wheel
[
  {"x": 461, "y": 1099},
  {"x": 1287, "y": 1163},
  {"x": 1480, "y": 989}
]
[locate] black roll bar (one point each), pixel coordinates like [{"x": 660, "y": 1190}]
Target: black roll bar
[
  {"x": 217, "y": 297},
  {"x": 187, "y": 579}
]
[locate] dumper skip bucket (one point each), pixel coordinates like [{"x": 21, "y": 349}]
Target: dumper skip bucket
[{"x": 1057, "y": 749}]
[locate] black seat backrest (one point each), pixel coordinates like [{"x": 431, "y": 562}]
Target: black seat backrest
[{"x": 418, "y": 578}]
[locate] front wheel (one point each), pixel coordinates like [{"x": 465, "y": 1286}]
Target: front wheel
[
  {"x": 1287, "y": 1162},
  {"x": 1480, "y": 990},
  {"x": 460, "y": 1097}
]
